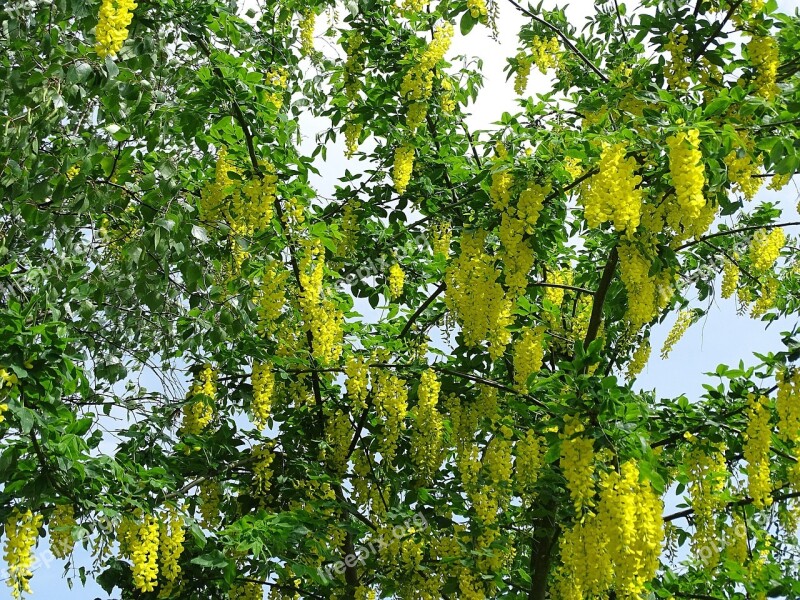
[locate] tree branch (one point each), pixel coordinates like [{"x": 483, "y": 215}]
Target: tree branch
[
  {"x": 600, "y": 297},
  {"x": 428, "y": 301},
  {"x": 702, "y": 239},
  {"x": 567, "y": 42}
]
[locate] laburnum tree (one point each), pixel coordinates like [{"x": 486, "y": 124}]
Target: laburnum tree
[{"x": 218, "y": 382}]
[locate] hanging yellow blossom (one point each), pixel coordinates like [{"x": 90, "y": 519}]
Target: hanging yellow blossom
[
  {"x": 676, "y": 69},
  {"x": 546, "y": 52},
  {"x": 577, "y": 463},
  {"x": 112, "y": 26},
  {"x": 524, "y": 63},
  {"x": 403, "y": 166},
  {"x": 763, "y": 52},
  {"x": 765, "y": 248},
  {"x": 730, "y": 276},
  {"x": 757, "y": 442},
  {"x": 395, "y": 280},
  {"x": 476, "y": 296},
  {"x": 263, "y": 389},
  {"x": 21, "y": 530},
  {"x": 687, "y": 172},
  {"x": 528, "y": 355},
  {"x": 307, "y": 21},
  {"x": 144, "y": 554},
  {"x": 426, "y": 433},
  {"x": 682, "y": 323},
  {"x": 612, "y": 194},
  {"x": 60, "y": 529},
  {"x": 788, "y": 406},
  {"x": 639, "y": 358},
  {"x": 171, "y": 537}
]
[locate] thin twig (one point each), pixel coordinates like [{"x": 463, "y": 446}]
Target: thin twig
[{"x": 567, "y": 42}]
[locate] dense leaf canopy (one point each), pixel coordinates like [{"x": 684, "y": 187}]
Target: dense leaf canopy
[{"x": 397, "y": 360}]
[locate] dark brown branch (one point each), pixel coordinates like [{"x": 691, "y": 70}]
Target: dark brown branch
[
  {"x": 743, "y": 502},
  {"x": 600, "y": 297},
  {"x": 567, "y": 42},
  {"x": 734, "y": 6},
  {"x": 428, "y": 301},
  {"x": 732, "y": 231}
]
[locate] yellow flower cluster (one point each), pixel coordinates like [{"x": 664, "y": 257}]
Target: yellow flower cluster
[
  {"x": 271, "y": 296},
  {"x": 787, "y": 405},
  {"x": 403, "y": 166},
  {"x": 197, "y": 413},
  {"x": 743, "y": 168},
  {"x": 757, "y": 442},
  {"x": 639, "y": 358},
  {"x": 687, "y": 171},
  {"x": 530, "y": 204},
  {"x": 144, "y": 554},
  {"x": 352, "y": 133},
  {"x": 517, "y": 254},
  {"x": 395, "y": 280},
  {"x": 611, "y": 194},
  {"x": 213, "y": 195},
  {"x": 319, "y": 313},
  {"x": 354, "y": 65},
  {"x": 263, "y": 457},
  {"x": 572, "y": 166},
  {"x": 617, "y": 547},
  {"x": 21, "y": 529},
  {"x": 426, "y": 435},
  {"x": 415, "y": 116},
  {"x": 357, "y": 381},
  {"x": 629, "y": 513},
  {"x": 502, "y": 179},
  {"x": 417, "y": 83},
  {"x": 278, "y": 79},
  {"x": 765, "y": 248},
  {"x": 307, "y": 21},
  {"x": 338, "y": 435},
  {"x": 447, "y": 101},
  {"x": 707, "y": 474},
  {"x": 440, "y": 239},
  {"x": 112, "y": 26},
  {"x": 529, "y": 454},
  {"x": 263, "y": 391},
  {"x": 247, "y": 590},
  {"x": 730, "y": 277},
  {"x": 476, "y": 297},
  {"x": 524, "y": 63},
  {"x": 577, "y": 463},
  {"x": 497, "y": 459},
  {"x": 779, "y": 181},
  {"x": 763, "y": 52},
  {"x": 73, "y": 172},
  {"x": 252, "y": 209},
  {"x": 391, "y": 405},
  {"x": 768, "y": 292},
  {"x": 646, "y": 294},
  {"x": 477, "y": 9},
  {"x": 528, "y": 356},
  {"x": 736, "y": 548},
  {"x": 210, "y": 499},
  {"x": 349, "y": 228},
  {"x": 546, "y": 52},
  {"x": 60, "y": 529},
  {"x": 682, "y": 323},
  {"x": 413, "y": 5},
  {"x": 172, "y": 535},
  {"x": 676, "y": 70}
]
